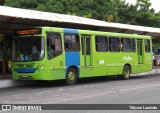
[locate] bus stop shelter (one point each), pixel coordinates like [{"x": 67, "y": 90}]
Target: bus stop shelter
[{"x": 12, "y": 19}]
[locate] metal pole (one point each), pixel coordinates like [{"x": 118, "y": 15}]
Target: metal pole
[{"x": 3, "y": 69}]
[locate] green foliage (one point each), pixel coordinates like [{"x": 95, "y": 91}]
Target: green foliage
[
  {"x": 2, "y": 2},
  {"x": 139, "y": 14},
  {"x": 27, "y": 4},
  {"x": 143, "y": 5},
  {"x": 107, "y": 10}
]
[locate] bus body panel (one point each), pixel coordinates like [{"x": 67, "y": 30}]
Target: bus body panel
[
  {"x": 89, "y": 62},
  {"x": 57, "y": 64},
  {"x": 39, "y": 74}
]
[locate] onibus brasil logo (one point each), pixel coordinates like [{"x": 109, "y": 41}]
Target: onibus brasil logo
[{"x": 21, "y": 107}]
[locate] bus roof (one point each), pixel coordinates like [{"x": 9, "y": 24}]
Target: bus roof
[
  {"x": 88, "y": 32},
  {"x": 92, "y": 32}
]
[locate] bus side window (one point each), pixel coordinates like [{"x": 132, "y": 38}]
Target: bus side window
[
  {"x": 54, "y": 44},
  {"x": 71, "y": 42},
  {"x": 101, "y": 44},
  {"x": 126, "y": 45},
  {"x": 133, "y": 45},
  {"x": 114, "y": 44},
  {"x": 147, "y": 46}
]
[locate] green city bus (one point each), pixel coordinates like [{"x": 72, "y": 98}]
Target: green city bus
[{"x": 50, "y": 53}]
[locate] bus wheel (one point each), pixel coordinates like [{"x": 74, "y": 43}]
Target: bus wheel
[
  {"x": 71, "y": 77},
  {"x": 126, "y": 72}
]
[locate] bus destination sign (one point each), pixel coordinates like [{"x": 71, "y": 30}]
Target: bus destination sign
[{"x": 29, "y": 31}]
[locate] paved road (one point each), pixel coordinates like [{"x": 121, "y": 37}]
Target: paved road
[{"x": 137, "y": 90}]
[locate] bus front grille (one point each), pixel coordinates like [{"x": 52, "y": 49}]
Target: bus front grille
[
  {"x": 25, "y": 65},
  {"x": 25, "y": 77}
]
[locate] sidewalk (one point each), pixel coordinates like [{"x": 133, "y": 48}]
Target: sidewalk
[
  {"x": 154, "y": 71},
  {"x": 4, "y": 83}
]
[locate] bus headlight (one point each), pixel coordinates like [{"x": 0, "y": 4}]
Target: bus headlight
[{"x": 39, "y": 68}]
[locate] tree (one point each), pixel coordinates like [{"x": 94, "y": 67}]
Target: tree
[
  {"x": 97, "y": 9},
  {"x": 2, "y": 2},
  {"x": 143, "y": 5},
  {"x": 139, "y": 14},
  {"x": 27, "y": 4}
]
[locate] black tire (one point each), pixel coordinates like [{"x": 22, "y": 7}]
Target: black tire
[
  {"x": 126, "y": 72},
  {"x": 71, "y": 76}
]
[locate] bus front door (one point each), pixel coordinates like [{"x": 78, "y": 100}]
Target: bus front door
[
  {"x": 86, "y": 55},
  {"x": 140, "y": 51}
]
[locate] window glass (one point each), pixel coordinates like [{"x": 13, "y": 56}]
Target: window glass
[
  {"x": 101, "y": 43},
  {"x": 147, "y": 46},
  {"x": 88, "y": 46},
  {"x": 54, "y": 44},
  {"x": 133, "y": 45},
  {"x": 28, "y": 48},
  {"x": 125, "y": 45},
  {"x": 114, "y": 44},
  {"x": 71, "y": 42}
]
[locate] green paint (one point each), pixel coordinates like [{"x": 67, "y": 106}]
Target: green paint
[{"x": 92, "y": 63}]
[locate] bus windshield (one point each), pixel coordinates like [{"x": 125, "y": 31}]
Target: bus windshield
[{"x": 28, "y": 48}]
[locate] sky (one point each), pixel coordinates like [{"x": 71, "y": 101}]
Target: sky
[{"x": 155, "y": 4}]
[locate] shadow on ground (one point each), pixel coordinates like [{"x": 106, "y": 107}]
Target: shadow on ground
[{"x": 84, "y": 81}]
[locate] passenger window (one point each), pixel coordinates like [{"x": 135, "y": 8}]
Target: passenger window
[
  {"x": 54, "y": 44},
  {"x": 101, "y": 43},
  {"x": 114, "y": 45},
  {"x": 147, "y": 46},
  {"x": 133, "y": 45},
  {"x": 125, "y": 45},
  {"x": 71, "y": 42}
]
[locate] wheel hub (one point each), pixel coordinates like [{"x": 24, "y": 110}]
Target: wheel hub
[{"x": 71, "y": 76}]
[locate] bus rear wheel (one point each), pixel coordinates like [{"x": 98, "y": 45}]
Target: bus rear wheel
[
  {"x": 126, "y": 72},
  {"x": 71, "y": 76}
]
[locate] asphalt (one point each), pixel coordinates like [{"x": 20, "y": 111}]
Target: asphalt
[
  {"x": 6, "y": 83},
  {"x": 142, "y": 89}
]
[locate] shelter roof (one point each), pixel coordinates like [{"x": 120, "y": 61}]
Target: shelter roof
[{"x": 15, "y": 18}]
